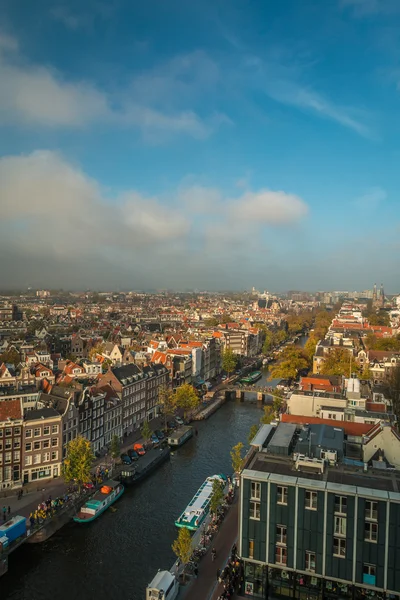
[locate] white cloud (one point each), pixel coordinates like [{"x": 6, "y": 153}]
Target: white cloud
[
  {"x": 371, "y": 200},
  {"x": 200, "y": 199},
  {"x": 268, "y": 207},
  {"x": 35, "y": 95}
]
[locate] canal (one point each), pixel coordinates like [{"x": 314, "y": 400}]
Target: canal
[{"x": 117, "y": 555}]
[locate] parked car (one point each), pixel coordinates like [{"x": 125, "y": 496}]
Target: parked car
[
  {"x": 171, "y": 425},
  {"x": 133, "y": 455},
  {"x": 139, "y": 449},
  {"x": 160, "y": 434},
  {"x": 154, "y": 438},
  {"x": 179, "y": 421},
  {"x": 126, "y": 459}
]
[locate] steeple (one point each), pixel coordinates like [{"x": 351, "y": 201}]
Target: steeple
[
  {"x": 382, "y": 296},
  {"x": 374, "y": 294}
]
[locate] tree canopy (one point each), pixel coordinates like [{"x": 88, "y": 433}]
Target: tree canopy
[
  {"x": 229, "y": 361},
  {"x": 337, "y": 362},
  {"x": 217, "y": 496},
  {"x": 394, "y": 388},
  {"x": 268, "y": 416},
  {"x": 115, "y": 447},
  {"x": 252, "y": 433},
  {"x": 290, "y": 363},
  {"x": 182, "y": 546},
  {"x": 146, "y": 430},
  {"x": 372, "y": 342},
  {"x": 237, "y": 458},
  {"x": 10, "y": 356},
  {"x": 186, "y": 398},
  {"x": 78, "y": 461},
  {"x": 167, "y": 400}
]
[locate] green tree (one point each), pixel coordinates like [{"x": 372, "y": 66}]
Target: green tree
[
  {"x": 237, "y": 458},
  {"x": 115, "y": 447},
  {"x": 290, "y": 363},
  {"x": 10, "y": 356},
  {"x": 186, "y": 398},
  {"x": 339, "y": 362},
  {"x": 229, "y": 361},
  {"x": 97, "y": 349},
  {"x": 212, "y": 322},
  {"x": 309, "y": 348},
  {"x": 252, "y": 433},
  {"x": 226, "y": 318},
  {"x": 268, "y": 416},
  {"x": 268, "y": 342},
  {"x": 78, "y": 461},
  {"x": 394, "y": 390},
  {"x": 146, "y": 431},
  {"x": 182, "y": 546},
  {"x": 166, "y": 399},
  {"x": 217, "y": 496}
]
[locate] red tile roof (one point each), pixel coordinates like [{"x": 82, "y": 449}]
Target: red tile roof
[
  {"x": 349, "y": 427},
  {"x": 10, "y": 409}
]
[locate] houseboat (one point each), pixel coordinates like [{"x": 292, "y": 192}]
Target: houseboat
[
  {"x": 100, "y": 501},
  {"x": 164, "y": 586},
  {"x": 252, "y": 378},
  {"x": 180, "y": 436},
  {"x": 199, "y": 506},
  {"x": 144, "y": 466}
]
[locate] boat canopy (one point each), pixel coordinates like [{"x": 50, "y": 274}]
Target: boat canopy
[{"x": 161, "y": 581}]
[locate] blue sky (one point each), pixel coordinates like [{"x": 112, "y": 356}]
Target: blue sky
[{"x": 200, "y": 144}]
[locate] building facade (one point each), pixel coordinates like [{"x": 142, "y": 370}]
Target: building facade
[
  {"x": 10, "y": 443},
  {"x": 42, "y": 444}
]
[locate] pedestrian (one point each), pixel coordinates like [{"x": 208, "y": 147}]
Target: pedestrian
[
  {"x": 9, "y": 509},
  {"x": 218, "y": 574},
  {"x": 196, "y": 572}
]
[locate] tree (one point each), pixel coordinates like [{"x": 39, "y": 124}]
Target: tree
[
  {"x": 252, "y": 433},
  {"x": 229, "y": 361},
  {"x": 338, "y": 362},
  {"x": 268, "y": 416},
  {"x": 226, "y": 318},
  {"x": 182, "y": 546},
  {"x": 166, "y": 399},
  {"x": 237, "y": 458},
  {"x": 10, "y": 356},
  {"x": 217, "y": 496},
  {"x": 291, "y": 362},
  {"x": 146, "y": 431},
  {"x": 394, "y": 389},
  {"x": 97, "y": 349},
  {"x": 268, "y": 342},
  {"x": 212, "y": 322},
  {"x": 309, "y": 348},
  {"x": 78, "y": 461},
  {"x": 186, "y": 398},
  {"x": 115, "y": 447}
]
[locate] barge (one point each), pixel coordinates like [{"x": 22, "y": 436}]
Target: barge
[
  {"x": 180, "y": 436},
  {"x": 102, "y": 499},
  {"x": 144, "y": 466}
]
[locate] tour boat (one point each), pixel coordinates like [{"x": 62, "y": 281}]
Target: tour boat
[
  {"x": 199, "y": 506},
  {"x": 164, "y": 586},
  {"x": 102, "y": 499},
  {"x": 252, "y": 378}
]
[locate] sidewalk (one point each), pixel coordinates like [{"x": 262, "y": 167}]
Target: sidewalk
[{"x": 206, "y": 587}]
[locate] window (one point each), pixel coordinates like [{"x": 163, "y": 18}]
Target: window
[
  {"x": 281, "y": 534},
  {"x": 16, "y": 457},
  {"x": 28, "y": 433},
  {"x": 36, "y": 459},
  {"x": 46, "y": 457},
  {"x": 17, "y": 443},
  {"x": 8, "y": 444},
  {"x": 339, "y": 547},
  {"x": 8, "y": 432},
  {"x": 340, "y": 526},
  {"x": 282, "y": 494},
  {"x": 36, "y": 432},
  {"x": 251, "y": 548},
  {"x": 54, "y": 442},
  {"x": 46, "y": 430},
  {"x": 36, "y": 445},
  {"x": 46, "y": 443},
  {"x": 310, "y": 561},
  {"x": 341, "y": 505},
  {"x": 54, "y": 429},
  {"x": 7, "y": 457},
  {"x": 369, "y": 574},
  {"x": 17, "y": 430},
  {"x": 28, "y": 460},
  {"x": 371, "y": 532},
  {"x": 28, "y": 446},
  {"x": 281, "y": 555},
  {"x": 311, "y": 500},
  {"x": 255, "y": 490},
  {"x": 54, "y": 455},
  {"x": 255, "y": 510},
  {"x": 371, "y": 510}
]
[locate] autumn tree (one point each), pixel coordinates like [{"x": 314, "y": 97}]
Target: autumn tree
[
  {"x": 166, "y": 399},
  {"x": 97, "y": 349},
  {"x": 146, "y": 431},
  {"x": 229, "y": 361},
  {"x": 290, "y": 363},
  {"x": 268, "y": 342},
  {"x": 10, "y": 356},
  {"x": 252, "y": 433},
  {"x": 338, "y": 362},
  {"x": 217, "y": 495},
  {"x": 186, "y": 398},
  {"x": 78, "y": 461},
  {"x": 309, "y": 348},
  {"x": 394, "y": 389},
  {"x": 115, "y": 447},
  {"x": 182, "y": 546},
  {"x": 268, "y": 416},
  {"x": 237, "y": 458}
]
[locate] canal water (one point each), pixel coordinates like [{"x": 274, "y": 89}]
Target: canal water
[{"x": 116, "y": 556}]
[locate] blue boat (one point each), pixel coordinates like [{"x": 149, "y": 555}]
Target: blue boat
[
  {"x": 199, "y": 506},
  {"x": 100, "y": 501}
]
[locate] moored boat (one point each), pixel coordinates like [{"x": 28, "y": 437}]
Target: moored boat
[
  {"x": 180, "y": 436},
  {"x": 144, "y": 466},
  {"x": 163, "y": 586},
  {"x": 100, "y": 501},
  {"x": 199, "y": 506},
  {"x": 252, "y": 378}
]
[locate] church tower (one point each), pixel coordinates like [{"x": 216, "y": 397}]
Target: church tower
[
  {"x": 382, "y": 296},
  {"x": 374, "y": 294}
]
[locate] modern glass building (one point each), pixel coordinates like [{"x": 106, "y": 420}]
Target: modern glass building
[{"x": 315, "y": 528}]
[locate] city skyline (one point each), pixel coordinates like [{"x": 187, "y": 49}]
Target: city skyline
[{"x": 194, "y": 146}]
